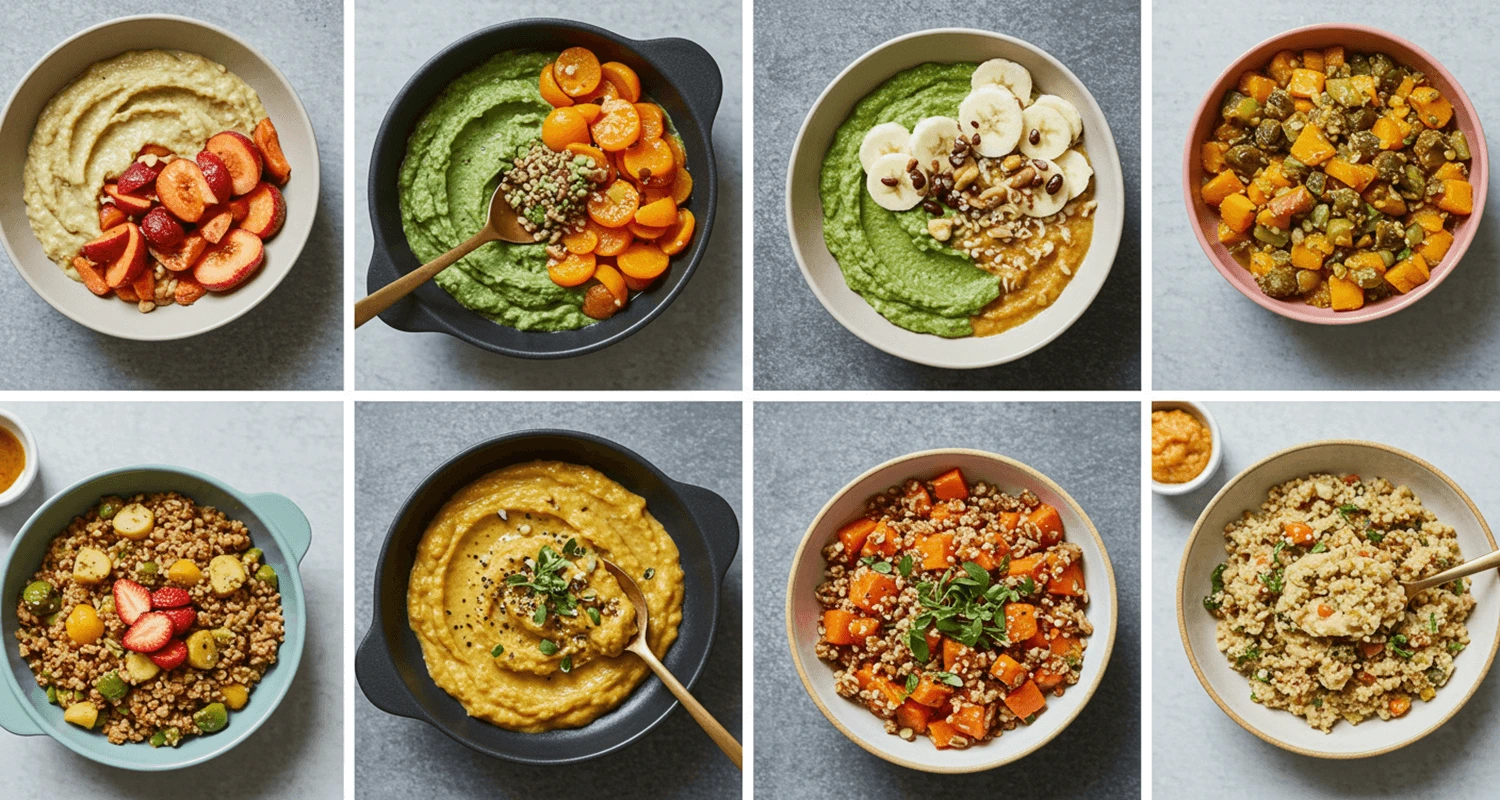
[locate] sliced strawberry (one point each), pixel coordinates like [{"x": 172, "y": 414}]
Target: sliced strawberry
[
  {"x": 150, "y": 633},
  {"x": 170, "y": 597},
  {"x": 160, "y": 229},
  {"x": 110, "y": 215},
  {"x": 107, "y": 246},
  {"x": 270, "y": 149},
  {"x": 189, "y": 291},
  {"x": 267, "y": 211},
  {"x": 240, "y": 155},
  {"x": 216, "y": 222},
  {"x": 171, "y": 656},
  {"x": 130, "y": 204},
  {"x": 183, "y": 190},
  {"x": 92, "y": 277},
  {"x": 131, "y": 600},
  {"x": 131, "y": 261},
  {"x": 217, "y": 176},
  {"x": 230, "y": 262},
  {"x": 182, "y": 257},
  {"x": 137, "y": 177},
  {"x": 182, "y": 619}
]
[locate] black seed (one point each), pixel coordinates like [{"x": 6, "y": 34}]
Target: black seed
[
  {"x": 931, "y": 207},
  {"x": 889, "y": 181},
  {"x": 1039, "y": 164},
  {"x": 1054, "y": 184},
  {"x": 917, "y": 181},
  {"x": 1035, "y": 137},
  {"x": 911, "y": 165},
  {"x": 976, "y": 140}
]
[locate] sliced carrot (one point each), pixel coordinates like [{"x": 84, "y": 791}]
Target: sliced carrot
[
  {"x": 650, "y": 161},
  {"x": 682, "y": 186},
  {"x": 562, "y": 127},
  {"x": 551, "y": 92},
  {"x": 615, "y": 207},
  {"x": 653, "y": 120},
  {"x": 577, "y": 71},
  {"x": 590, "y": 111},
  {"x": 600, "y": 159},
  {"x": 145, "y": 283},
  {"x": 624, "y": 78},
  {"x": 659, "y": 214},
  {"x": 575, "y": 270},
  {"x": 643, "y": 260},
  {"x": 605, "y": 91},
  {"x": 647, "y": 232},
  {"x": 618, "y": 127},
  {"x": 581, "y": 241},
  {"x": 608, "y": 275},
  {"x": 678, "y": 154},
  {"x": 612, "y": 241},
  {"x": 678, "y": 235},
  {"x": 636, "y": 285}
]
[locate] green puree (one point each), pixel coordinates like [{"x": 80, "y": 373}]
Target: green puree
[
  {"x": 452, "y": 166},
  {"x": 886, "y": 256}
]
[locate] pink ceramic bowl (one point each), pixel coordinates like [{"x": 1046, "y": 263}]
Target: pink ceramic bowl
[{"x": 1359, "y": 38}]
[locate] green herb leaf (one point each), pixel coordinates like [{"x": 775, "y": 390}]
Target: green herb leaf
[
  {"x": 1320, "y": 547},
  {"x": 1276, "y": 551},
  {"x": 978, "y": 573},
  {"x": 949, "y": 678},
  {"x": 882, "y": 567},
  {"x": 593, "y": 614},
  {"x": 1028, "y": 586},
  {"x": 904, "y": 567},
  {"x": 650, "y": 573},
  {"x": 547, "y": 647},
  {"x": 1374, "y": 536},
  {"x": 497, "y": 650},
  {"x": 1455, "y": 647},
  {"x": 1346, "y": 509},
  {"x": 911, "y": 683},
  {"x": 540, "y": 617},
  {"x": 1317, "y": 702},
  {"x": 1432, "y": 621},
  {"x": 1216, "y": 578},
  {"x": 918, "y": 644},
  {"x": 567, "y": 664}
]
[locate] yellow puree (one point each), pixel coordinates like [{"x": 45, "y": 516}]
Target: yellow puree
[
  {"x": 460, "y": 605},
  {"x": 1180, "y": 446},
  {"x": 12, "y": 459},
  {"x": 1044, "y": 283}
]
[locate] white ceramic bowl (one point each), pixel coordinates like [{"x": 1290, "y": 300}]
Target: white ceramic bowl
[
  {"x": 804, "y": 207},
  {"x": 1215, "y": 453},
  {"x": 803, "y": 613},
  {"x": 1205, "y": 550},
  {"x": 60, "y": 67},
  {"x": 14, "y": 424}
]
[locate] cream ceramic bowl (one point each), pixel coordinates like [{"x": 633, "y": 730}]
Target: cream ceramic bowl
[
  {"x": 803, "y": 613},
  {"x": 58, "y": 68},
  {"x": 804, "y": 207},
  {"x": 23, "y": 435},
  {"x": 1215, "y": 454},
  {"x": 1205, "y": 550}
]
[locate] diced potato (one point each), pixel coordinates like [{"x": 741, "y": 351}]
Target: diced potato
[
  {"x": 135, "y": 522},
  {"x": 226, "y": 574},
  {"x": 236, "y": 696},
  {"x": 91, "y": 566},
  {"x": 84, "y": 715},
  {"x": 139, "y": 668},
  {"x": 203, "y": 650}
]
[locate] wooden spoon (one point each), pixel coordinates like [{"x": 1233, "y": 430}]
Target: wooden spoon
[
  {"x": 503, "y": 226},
  {"x": 723, "y": 738},
  {"x": 1463, "y": 570}
]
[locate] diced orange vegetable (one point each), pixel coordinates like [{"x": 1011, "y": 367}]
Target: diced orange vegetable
[
  {"x": 1030, "y": 565},
  {"x": 1069, "y": 582},
  {"x": 1431, "y": 221},
  {"x": 1275, "y": 174},
  {"x": 1257, "y": 86},
  {"x": 1435, "y": 246},
  {"x": 1370, "y": 649},
  {"x": 913, "y": 715},
  {"x": 1048, "y": 524},
  {"x": 853, "y": 536},
  {"x": 1026, "y": 700},
  {"x": 1433, "y": 109},
  {"x": 936, "y": 551},
  {"x": 892, "y": 694},
  {"x": 1300, "y": 533},
  {"x": 941, "y": 734},
  {"x": 1282, "y": 66},
  {"x": 1313, "y": 60},
  {"x": 1302, "y": 105},
  {"x": 1271, "y": 219},
  {"x": 1399, "y": 706},
  {"x": 1046, "y": 679},
  {"x": 1385, "y": 200},
  {"x": 1306, "y": 83},
  {"x": 918, "y": 499},
  {"x": 941, "y": 511},
  {"x": 1211, "y": 156},
  {"x": 1008, "y": 671},
  {"x": 1261, "y": 263},
  {"x": 1333, "y": 57},
  {"x": 1457, "y": 197},
  {"x": 1358, "y": 176},
  {"x": 1020, "y": 621},
  {"x": 862, "y": 628},
  {"x": 836, "y": 626},
  {"x": 1451, "y": 170},
  {"x": 883, "y": 542},
  {"x": 1312, "y": 147},
  {"x": 972, "y": 720},
  {"x": 1324, "y": 610},
  {"x": 1344, "y": 294},
  {"x": 1238, "y": 213},
  {"x": 1366, "y": 85},
  {"x": 1259, "y": 191},
  {"x": 1408, "y": 274},
  {"x": 869, "y": 591},
  {"x": 1365, "y": 258},
  {"x": 1390, "y": 133},
  {"x": 929, "y": 692},
  {"x": 1291, "y": 203},
  {"x": 1221, "y": 186},
  {"x": 1065, "y": 645},
  {"x": 1304, "y": 257},
  {"x": 950, "y": 486},
  {"x": 1404, "y": 89},
  {"x": 953, "y": 650}
]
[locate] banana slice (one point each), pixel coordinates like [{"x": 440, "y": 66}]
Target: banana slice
[
  {"x": 1036, "y": 201},
  {"x": 1048, "y": 128},
  {"x": 1065, "y": 108},
  {"x": 997, "y": 113},
  {"x": 898, "y": 197},
  {"x": 1076, "y": 172},
  {"x": 932, "y": 140},
  {"x": 883, "y": 139},
  {"x": 1006, "y": 74}
]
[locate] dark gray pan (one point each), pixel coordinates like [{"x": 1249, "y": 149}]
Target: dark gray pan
[
  {"x": 676, "y": 73},
  {"x": 389, "y": 665}
]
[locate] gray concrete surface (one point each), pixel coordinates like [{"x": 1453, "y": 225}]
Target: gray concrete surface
[
  {"x": 806, "y": 452},
  {"x": 799, "y": 48},
  {"x": 294, "y": 338},
  {"x": 295, "y": 449},
  {"x": 1204, "y": 333},
  {"x": 1197, "y": 750},
  {"x": 694, "y": 344},
  {"x": 396, "y": 446}
]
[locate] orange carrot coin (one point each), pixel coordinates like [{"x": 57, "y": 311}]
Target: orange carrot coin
[
  {"x": 645, "y": 231},
  {"x": 618, "y": 127},
  {"x": 581, "y": 241},
  {"x": 562, "y": 127},
  {"x": 635, "y": 285},
  {"x": 653, "y": 120},
  {"x": 626, "y": 82},
  {"x": 577, "y": 71},
  {"x": 575, "y": 270},
  {"x": 612, "y": 241},
  {"x": 650, "y": 161},
  {"x": 615, "y": 207},
  {"x": 682, "y": 186},
  {"x": 659, "y": 214},
  {"x": 676, "y": 239},
  {"x": 613, "y": 281},
  {"x": 643, "y": 261},
  {"x": 678, "y": 154},
  {"x": 606, "y": 91},
  {"x": 590, "y": 111},
  {"x": 551, "y": 92},
  {"x": 651, "y": 193}
]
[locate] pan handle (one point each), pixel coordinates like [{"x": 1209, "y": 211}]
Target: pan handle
[
  {"x": 288, "y": 520},
  {"x": 378, "y": 679},
  {"x": 13, "y": 716},
  {"x": 693, "y": 71},
  {"x": 406, "y": 314},
  {"x": 721, "y": 528}
]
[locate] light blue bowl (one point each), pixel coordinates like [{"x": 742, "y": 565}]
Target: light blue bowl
[{"x": 276, "y": 526}]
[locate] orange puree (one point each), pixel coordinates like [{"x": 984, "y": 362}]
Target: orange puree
[
  {"x": 12, "y": 459},
  {"x": 1180, "y": 446}
]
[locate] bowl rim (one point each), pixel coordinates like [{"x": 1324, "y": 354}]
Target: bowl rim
[
  {"x": 1182, "y": 628},
  {"x": 1216, "y": 448},
  {"x": 303, "y": 121},
  {"x": 386, "y": 136},
  {"x": 8, "y": 681},
  {"x": 1112, "y": 245},
  {"x": 32, "y": 467},
  {"x": 1002, "y": 758},
  {"x": 1226, "y": 266}
]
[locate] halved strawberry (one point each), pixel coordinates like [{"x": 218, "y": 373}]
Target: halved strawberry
[
  {"x": 231, "y": 261},
  {"x": 136, "y": 177},
  {"x": 270, "y": 149},
  {"x": 128, "y": 203},
  {"x": 107, "y": 246},
  {"x": 182, "y": 619},
  {"x": 131, "y": 600},
  {"x": 267, "y": 212},
  {"x": 171, "y": 656},
  {"x": 131, "y": 261},
  {"x": 150, "y": 633},
  {"x": 170, "y": 597},
  {"x": 217, "y": 175},
  {"x": 240, "y": 155},
  {"x": 160, "y": 229}
]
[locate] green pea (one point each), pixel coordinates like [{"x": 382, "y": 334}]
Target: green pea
[{"x": 212, "y": 718}]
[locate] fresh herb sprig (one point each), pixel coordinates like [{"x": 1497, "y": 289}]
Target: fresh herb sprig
[
  {"x": 547, "y": 581},
  {"x": 964, "y": 605}
]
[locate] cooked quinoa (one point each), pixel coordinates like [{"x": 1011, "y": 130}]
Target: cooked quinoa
[
  {"x": 953, "y": 610},
  {"x": 245, "y": 624},
  {"x": 1326, "y": 555}
]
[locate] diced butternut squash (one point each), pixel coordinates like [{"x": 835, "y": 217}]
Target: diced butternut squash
[
  {"x": 1451, "y": 170},
  {"x": 1026, "y": 700},
  {"x": 930, "y": 692},
  {"x": 1211, "y": 156},
  {"x": 1431, "y": 221},
  {"x": 1313, "y": 60},
  {"x": 1366, "y": 86},
  {"x": 1312, "y": 147},
  {"x": 1228, "y": 235},
  {"x": 1289, "y": 204},
  {"x": 1306, "y": 83},
  {"x": 942, "y": 734},
  {"x": 1282, "y": 65},
  {"x": 1365, "y": 259},
  {"x": 1408, "y": 274},
  {"x": 883, "y": 542},
  {"x": 1048, "y": 524},
  {"x": 1457, "y": 197},
  {"x": 1238, "y": 213},
  {"x": 1008, "y": 671},
  {"x": 950, "y": 486},
  {"x": 1269, "y": 218},
  {"x": 1303, "y": 257},
  {"x": 1257, "y": 86},
  {"x": 836, "y": 626},
  {"x": 1020, "y": 621},
  {"x": 1261, "y": 263},
  {"x": 1047, "y": 680},
  {"x": 1435, "y": 246},
  {"x": 870, "y": 591},
  {"x": 1259, "y": 191},
  {"x": 1345, "y": 294},
  {"x": 1069, "y": 582},
  {"x": 1030, "y": 565},
  {"x": 1403, "y": 90},
  {"x": 1333, "y": 57},
  {"x": 1433, "y": 109},
  {"x": 972, "y": 720},
  {"x": 862, "y": 628},
  {"x": 1221, "y": 186},
  {"x": 853, "y": 536},
  {"x": 1275, "y": 174},
  {"x": 937, "y": 551},
  {"x": 1358, "y": 176},
  {"x": 1385, "y": 199},
  {"x": 1390, "y": 132},
  {"x": 953, "y": 650},
  {"x": 913, "y": 715}
]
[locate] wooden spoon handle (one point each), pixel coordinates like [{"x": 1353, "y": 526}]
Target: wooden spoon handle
[
  {"x": 386, "y": 296},
  {"x": 1463, "y": 570},
  {"x": 722, "y": 737}
]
